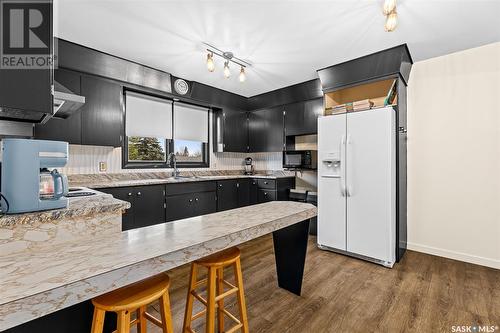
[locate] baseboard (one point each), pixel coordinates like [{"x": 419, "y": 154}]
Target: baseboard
[{"x": 455, "y": 255}]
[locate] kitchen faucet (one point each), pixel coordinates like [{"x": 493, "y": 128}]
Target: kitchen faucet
[{"x": 172, "y": 158}]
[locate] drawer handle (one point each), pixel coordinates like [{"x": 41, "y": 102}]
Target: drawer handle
[
  {"x": 129, "y": 194},
  {"x": 265, "y": 193},
  {"x": 190, "y": 200},
  {"x": 266, "y": 183},
  {"x": 196, "y": 199},
  {"x": 139, "y": 193},
  {"x": 220, "y": 185}
]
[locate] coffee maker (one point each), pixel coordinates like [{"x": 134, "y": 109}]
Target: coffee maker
[
  {"x": 27, "y": 183},
  {"x": 248, "y": 166}
]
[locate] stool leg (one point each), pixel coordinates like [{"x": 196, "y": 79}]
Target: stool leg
[
  {"x": 166, "y": 317},
  {"x": 98, "y": 321},
  {"x": 123, "y": 322},
  {"x": 210, "y": 321},
  {"x": 241, "y": 296},
  {"x": 220, "y": 303},
  {"x": 142, "y": 324},
  {"x": 190, "y": 298}
]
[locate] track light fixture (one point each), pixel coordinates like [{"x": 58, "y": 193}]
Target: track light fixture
[
  {"x": 227, "y": 72},
  {"x": 228, "y": 57},
  {"x": 242, "y": 75},
  {"x": 210, "y": 62},
  {"x": 391, "y": 15}
]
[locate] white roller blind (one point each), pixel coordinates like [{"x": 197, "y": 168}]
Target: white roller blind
[
  {"x": 190, "y": 122},
  {"x": 147, "y": 116}
]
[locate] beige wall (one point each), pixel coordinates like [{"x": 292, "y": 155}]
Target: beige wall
[{"x": 454, "y": 156}]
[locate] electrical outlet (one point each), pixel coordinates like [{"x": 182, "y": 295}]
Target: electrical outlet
[{"x": 103, "y": 166}]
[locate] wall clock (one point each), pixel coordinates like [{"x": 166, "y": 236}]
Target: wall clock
[{"x": 181, "y": 87}]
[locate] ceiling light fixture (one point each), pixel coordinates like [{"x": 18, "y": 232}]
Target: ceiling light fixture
[
  {"x": 391, "y": 15},
  {"x": 228, "y": 57},
  {"x": 210, "y": 62},
  {"x": 389, "y": 6},
  {"x": 391, "y": 22},
  {"x": 227, "y": 72},
  {"x": 242, "y": 75}
]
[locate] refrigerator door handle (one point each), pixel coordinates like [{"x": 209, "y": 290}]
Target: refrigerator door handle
[
  {"x": 348, "y": 186},
  {"x": 342, "y": 166}
]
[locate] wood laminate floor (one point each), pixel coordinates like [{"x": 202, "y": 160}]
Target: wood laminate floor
[{"x": 422, "y": 293}]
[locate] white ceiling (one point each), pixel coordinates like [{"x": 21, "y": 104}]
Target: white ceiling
[{"x": 286, "y": 41}]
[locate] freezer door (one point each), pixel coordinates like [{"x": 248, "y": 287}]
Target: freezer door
[
  {"x": 331, "y": 181},
  {"x": 371, "y": 184}
]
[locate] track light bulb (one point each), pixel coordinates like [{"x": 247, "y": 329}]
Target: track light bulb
[
  {"x": 210, "y": 62},
  {"x": 227, "y": 72},
  {"x": 242, "y": 75},
  {"x": 389, "y": 6},
  {"x": 391, "y": 22}
]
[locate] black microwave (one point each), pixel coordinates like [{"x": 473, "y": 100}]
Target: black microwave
[{"x": 300, "y": 159}]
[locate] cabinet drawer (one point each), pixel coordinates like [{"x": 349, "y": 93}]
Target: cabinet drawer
[
  {"x": 267, "y": 183},
  {"x": 190, "y": 187},
  {"x": 266, "y": 195}
]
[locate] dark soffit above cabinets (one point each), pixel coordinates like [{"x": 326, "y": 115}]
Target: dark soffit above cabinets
[
  {"x": 390, "y": 62},
  {"x": 86, "y": 60}
]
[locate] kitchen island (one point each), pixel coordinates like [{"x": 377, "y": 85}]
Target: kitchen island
[{"x": 37, "y": 283}]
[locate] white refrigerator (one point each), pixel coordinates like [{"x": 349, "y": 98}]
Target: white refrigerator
[{"x": 357, "y": 184}]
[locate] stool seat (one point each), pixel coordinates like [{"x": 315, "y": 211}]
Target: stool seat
[
  {"x": 135, "y": 298},
  {"x": 223, "y": 258},
  {"x": 135, "y": 295}
]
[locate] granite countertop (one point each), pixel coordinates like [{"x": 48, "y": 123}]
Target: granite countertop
[
  {"x": 36, "y": 283},
  {"x": 77, "y": 207},
  {"x": 98, "y": 181}
]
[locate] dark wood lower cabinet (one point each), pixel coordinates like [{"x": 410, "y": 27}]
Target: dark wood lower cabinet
[
  {"x": 153, "y": 204},
  {"x": 147, "y": 205},
  {"x": 190, "y": 199}
]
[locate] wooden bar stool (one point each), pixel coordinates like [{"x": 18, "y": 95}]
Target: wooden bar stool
[
  {"x": 215, "y": 292},
  {"x": 135, "y": 297}
]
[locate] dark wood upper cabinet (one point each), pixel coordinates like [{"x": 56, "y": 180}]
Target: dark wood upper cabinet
[
  {"x": 235, "y": 131},
  {"x": 302, "y": 118},
  {"x": 230, "y": 131},
  {"x": 265, "y": 130},
  {"x": 102, "y": 115},
  {"x": 70, "y": 129}
]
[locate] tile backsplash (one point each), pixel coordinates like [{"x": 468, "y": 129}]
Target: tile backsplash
[{"x": 86, "y": 159}]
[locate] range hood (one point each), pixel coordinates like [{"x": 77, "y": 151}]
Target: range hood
[{"x": 65, "y": 101}]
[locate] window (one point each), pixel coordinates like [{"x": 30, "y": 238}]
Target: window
[
  {"x": 154, "y": 127},
  {"x": 190, "y": 135}
]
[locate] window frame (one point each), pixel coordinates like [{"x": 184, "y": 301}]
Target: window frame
[{"x": 169, "y": 143}]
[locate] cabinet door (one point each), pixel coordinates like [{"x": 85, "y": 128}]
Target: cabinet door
[
  {"x": 235, "y": 131},
  {"x": 266, "y": 195},
  {"x": 257, "y": 131},
  {"x": 69, "y": 129},
  {"x": 312, "y": 110},
  {"x": 125, "y": 194},
  {"x": 149, "y": 205},
  {"x": 205, "y": 203},
  {"x": 227, "y": 194},
  {"x": 179, "y": 206},
  {"x": 102, "y": 113},
  {"x": 254, "y": 192},
  {"x": 265, "y": 128},
  {"x": 243, "y": 192},
  {"x": 294, "y": 118}
]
